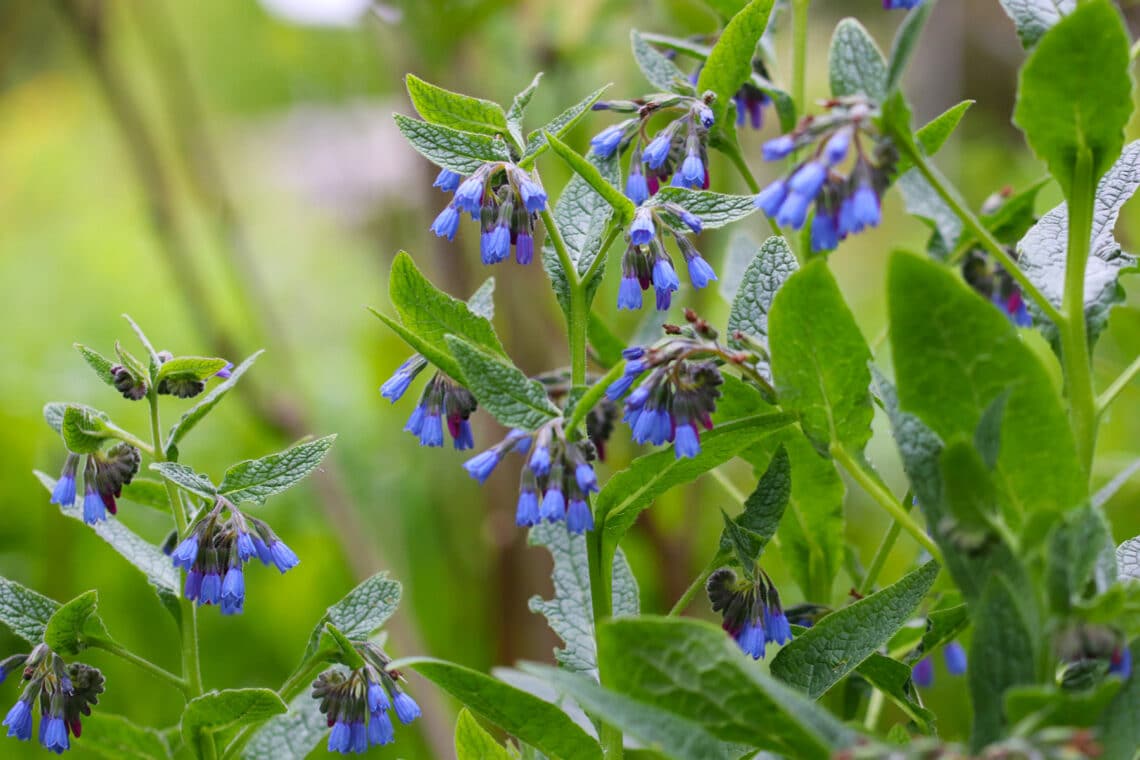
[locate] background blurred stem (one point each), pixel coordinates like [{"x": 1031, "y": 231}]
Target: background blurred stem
[
  {"x": 884, "y": 550},
  {"x": 799, "y": 54}
]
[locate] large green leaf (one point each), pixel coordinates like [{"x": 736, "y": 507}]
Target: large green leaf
[
  {"x": 821, "y": 656},
  {"x": 190, "y": 368},
  {"x": 954, "y": 354},
  {"x": 472, "y": 742},
  {"x": 569, "y": 612},
  {"x": 1075, "y": 94},
  {"x": 1034, "y": 17},
  {"x": 461, "y": 152},
  {"x": 763, "y": 509},
  {"x": 893, "y": 678},
  {"x": 219, "y": 710},
  {"x": 74, "y": 624},
  {"x": 361, "y": 612},
  {"x": 290, "y": 736},
  {"x": 514, "y": 399},
  {"x": 693, "y": 669},
  {"x": 536, "y": 143},
  {"x": 767, "y": 272},
  {"x": 856, "y": 63},
  {"x": 451, "y": 109},
  {"x": 819, "y": 360},
  {"x": 661, "y": 72},
  {"x": 594, "y": 178},
  {"x": 729, "y": 64},
  {"x": 255, "y": 480},
  {"x": 24, "y": 611},
  {"x": 538, "y": 723}
]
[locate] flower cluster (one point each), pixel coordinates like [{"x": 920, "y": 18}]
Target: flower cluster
[
  {"x": 63, "y": 693},
  {"x": 556, "y": 480},
  {"x": 991, "y": 280},
  {"x": 646, "y": 263},
  {"x": 504, "y": 199},
  {"x": 442, "y": 399},
  {"x": 846, "y": 194},
  {"x": 356, "y": 703},
  {"x": 1100, "y": 647},
  {"x": 751, "y": 610},
  {"x": 955, "y": 656},
  {"x": 104, "y": 475},
  {"x": 213, "y": 552}
]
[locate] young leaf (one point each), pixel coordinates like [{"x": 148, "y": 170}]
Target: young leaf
[
  {"x": 83, "y": 429},
  {"x": 362, "y": 611},
  {"x": 762, "y": 510},
  {"x": 206, "y": 404},
  {"x": 532, "y": 720},
  {"x": 101, "y": 364},
  {"x": 714, "y": 209},
  {"x": 451, "y": 109},
  {"x": 1075, "y": 93},
  {"x": 436, "y": 354},
  {"x": 218, "y": 710},
  {"x": 257, "y": 479},
  {"x": 693, "y": 669},
  {"x": 1035, "y": 17},
  {"x": 24, "y": 611},
  {"x": 729, "y": 64},
  {"x": 773, "y": 264},
  {"x": 1043, "y": 250},
  {"x": 1081, "y": 558},
  {"x": 569, "y": 612},
  {"x": 117, "y": 738},
  {"x": 856, "y": 63},
  {"x": 518, "y": 108},
  {"x": 810, "y": 321},
  {"x": 558, "y": 126},
  {"x": 514, "y": 399},
  {"x": 461, "y": 152},
  {"x": 653, "y": 726},
  {"x": 74, "y": 624},
  {"x": 954, "y": 353},
  {"x": 472, "y": 742},
  {"x": 893, "y": 678},
  {"x": 184, "y": 477},
  {"x": 190, "y": 368},
  {"x": 934, "y": 134},
  {"x": 819, "y": 658},
  {"x": 661, "y": 72},
  {"x": 905, "y": 41},
  {"x": 291, "y": 736},
  {"x": 588, "y": 172}
]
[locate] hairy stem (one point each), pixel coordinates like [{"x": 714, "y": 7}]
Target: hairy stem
[
  {"x": 1104, "y": 401},
  {"x": 884, "y": 550},
  {"x": 694, "y": 588},
  {"x": 142, "y": 663},
  {"x": 799, "y": 53},
  {"x": 1073, "y": 330},
  {"x": 884, "y": 499},
  {"x": 601, "y": 561},
  {"x": 591, "y": 397}
]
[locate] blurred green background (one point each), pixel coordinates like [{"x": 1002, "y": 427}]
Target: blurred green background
[{"x": 227, "y": 172}]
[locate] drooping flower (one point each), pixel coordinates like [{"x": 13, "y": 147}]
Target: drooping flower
[
  {"x": 447, "y": 180},
  {"x": 93, "y": 509},
  {"x": 504, "y": 199},
  {"x": 395, "y": 386},
  {"x": 994, "y": 283},
  {"x": 63, "y": 693},
  {"x": 132, "y": 386},
  {"x": 356, "y": 703},
  {"x": 955, "y": 656},
  {"x": 443, "y": 400},
  {"x": 750, "y": 609},
  {"x": 923, "y": 673},
  {"x": 64, "y": 492}
]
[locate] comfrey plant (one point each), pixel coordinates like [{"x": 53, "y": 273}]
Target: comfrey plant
[
  {"x": 214, "y": 534},
  {"x": 1012, "y": 565}
]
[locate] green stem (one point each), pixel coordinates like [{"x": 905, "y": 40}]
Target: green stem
[
  {"x": 591, "y": 397},
  {"x": 1074, "y": 333},
  {"x": 694, "y": 588},
  {"x": 799, "y": 54},
  {"x": 611, "y": 236},
  {"x": 884, "y": 499},
  {"x": 559, "y": 244},
  {"x": 163, "y": 675},
  {"x": 974, "y": 226},
  {"x": 601, "y": 561},
  {"x": 1119, "y": 384},
  {"x": 884, "y": 550}
]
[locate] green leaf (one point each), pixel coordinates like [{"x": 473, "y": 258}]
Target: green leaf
[
  {"x": 729, "y": 64},
  {"x": 1002, "y": 655},
  {"x": 569, "y": 612},
  {"x": 218, "y": 710},
  {"x": 820, "y": 657},
  {"x": 661, "y": 72},
  {"x": 856, "y": 63},
  {"x": 558, "y": 126},
  {"x": 472, "y": 742},
  {"x": 629, "y": 492},
  {"x": 589, "y": 172},
  {"x": 83, "y": 429},
  {"x": 893, "y": 678},
  {"x": 361, "y": 612},
  {"x": 482, "y": 301},
  {"x": 906, "y": 39},
  {"x": 819, "y": 360},
  {"x": 1055, "y": 706},
  {"x": 755, "y": 526},
  {"x": 451, "y": 109},
  {"x": 145, "y": 556},
  {"x": 934, "y": 134},
  {"x": 24, "y": 611},
  {"x": 954, "y": 353},
  {"x": 291, "y": 736},
  {"x": 501, "y": 388},
  {"x": 148, "y": 493},
  {"x": 943, "y": 626},
  {"x": 437, "y": 355},
  {"x": 1081, "y": 558},
  {"x": 518, "y": 108},
  {"x": 74, "y": 624},
  {"x": 185, "y": 477},
  {"x": 1119, "y": 729},
  {"x": 694, "y": 670},
  {"x": 969, "y": 494},
  {"x": 1075, "y": 93},
  {"x": 1043, "y": 250},
  {"x": 101, "y": 364},
  {"x": 461, "y": 152},
  {"x": 116, "y": 737},
  {"x": 1035, "y": 17},
  {"x": 673, "y": 735},
  {"x": 206, "y": 404},
  {"x": 607, "y": 346},
  {"x": 190, "y": 368},
  {"x": 1128, "y": 559},
  {"x": 714, "y": 209},
  {"x": 432, "y": 314},
  {"x": 769, "y": 269},
  {"x": 257, "y": 479},
  {"x": 924, "y": 202},
  {"x": 538, "y": 723}
]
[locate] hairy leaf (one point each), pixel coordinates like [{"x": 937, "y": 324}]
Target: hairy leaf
[
  {"x": 74, "y": 624},
  {"x": 536, "y": 142},
  {"x": 1035, "y": 17},
  {"x": 518, "y": 108},
  {"x": 661, "y": 72},
  {"x": 290, "y": 736},
  {"x": 729, "y": 64},
  {"x": 206, "y": 404},
  {"x": 451, "y": 109},
  {"x": 714, "y": 209},
  {"x": 255, "y": 480},
  {"x": 101, "y": 364},
  {"x": 115, "y": 737},
  {"x": 461, "y": 152},
  {"x": 514, "y": 399},
  {"x": 183, "y": 476},
  {"x": 219, "y": 710},
  {"x": 856, "y": 63},
  {"x": 24, "y": 611}
]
